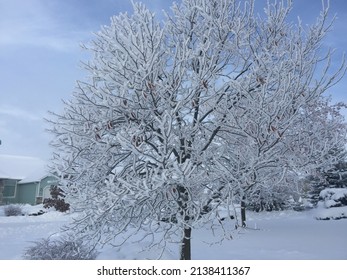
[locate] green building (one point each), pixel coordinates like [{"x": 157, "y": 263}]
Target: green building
[{"x": 24, "y": 180}]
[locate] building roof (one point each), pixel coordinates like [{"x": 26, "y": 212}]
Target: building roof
[{"x": 26, "y": 169}]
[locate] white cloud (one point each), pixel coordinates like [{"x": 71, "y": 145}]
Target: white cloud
[
  {"x": 22, "y": 132},
  {"x": 11, "y": 111},
  {"x": 36, "y": 23}
]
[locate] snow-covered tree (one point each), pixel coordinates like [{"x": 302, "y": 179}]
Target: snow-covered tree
[
  {"x": 282, "y": 127},
  {"x": 273, "y": 156},
  {"x": 336, "y": 177},
  {"x": 178, "y": 117},
  {"x": 330, "y": 194}
]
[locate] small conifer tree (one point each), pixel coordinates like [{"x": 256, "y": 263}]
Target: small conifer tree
[{"x": 57, "y": 200}]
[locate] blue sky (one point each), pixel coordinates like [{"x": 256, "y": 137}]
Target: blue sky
[{"x": 40, "y": 59}]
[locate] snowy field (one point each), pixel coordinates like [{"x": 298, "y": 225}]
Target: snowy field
[{"x": 284, "y": 235}]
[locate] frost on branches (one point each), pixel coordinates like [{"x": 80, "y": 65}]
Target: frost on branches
[{"x": 178, "y": 119}]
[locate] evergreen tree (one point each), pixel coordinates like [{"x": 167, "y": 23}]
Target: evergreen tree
[
  {"x": 334, "y": 178},
  {"x": 57, "y": 200}
]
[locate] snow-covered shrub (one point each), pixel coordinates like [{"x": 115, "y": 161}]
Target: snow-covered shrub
[
  {"x": 269, "y": 199},
  {"x": 266, "y": 205},
  {"x": 334, "y": 213},
  {"x": 334, "y": 197},
  {"x": 62, "y": 249},
  {"x": 335, "y": 178},
  {"x": 333, "y": 204},
  {"x": 302, "y": 204},
  {"x": 13, "y": 210}
]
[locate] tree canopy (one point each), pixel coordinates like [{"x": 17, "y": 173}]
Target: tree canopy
[{"x": 178, "y": 119}]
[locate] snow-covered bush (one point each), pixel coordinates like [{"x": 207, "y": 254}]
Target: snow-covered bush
[
  {"x": 62, "y": 249},
  {"x": 336, "y": 177},
  {"x": 267, "y": 205},
  {"x": 334, "y": 213},
  {"x": 334, "y": 197},
  {"x": 13, "y": 210},
  {"x": 333, "y": 204}
]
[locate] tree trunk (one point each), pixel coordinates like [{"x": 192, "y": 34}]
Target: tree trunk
[
  {"x": 186, "y": 248},
  {"x": 243, "y": 212}
]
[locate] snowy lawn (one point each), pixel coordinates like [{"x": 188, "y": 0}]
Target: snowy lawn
[{"x": 271, "y": 235}]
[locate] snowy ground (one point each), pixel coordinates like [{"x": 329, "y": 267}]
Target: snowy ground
[{"x": 271, "y": 236}]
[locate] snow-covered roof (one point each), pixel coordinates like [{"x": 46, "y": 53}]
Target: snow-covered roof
[{"x": 26, "y": 169}]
